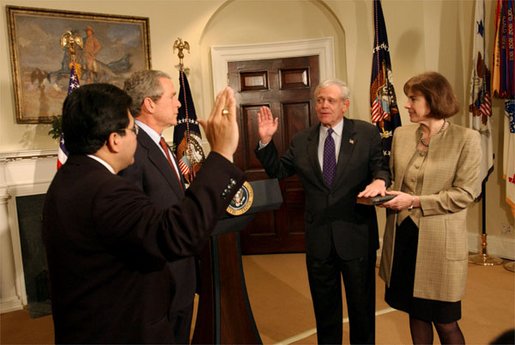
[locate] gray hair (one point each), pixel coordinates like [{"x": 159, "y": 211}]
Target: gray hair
[
  {"x": 143, "y": 84},
  {"x": 344, "y": 89}
]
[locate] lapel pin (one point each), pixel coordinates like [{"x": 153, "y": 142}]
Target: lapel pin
[{"x": 351, "y": 141}]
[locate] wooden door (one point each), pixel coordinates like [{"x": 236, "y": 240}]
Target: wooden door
[{"x": 286, "y": 86}]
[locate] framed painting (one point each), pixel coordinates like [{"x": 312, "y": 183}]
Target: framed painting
[{"x": 109, "y": 48}]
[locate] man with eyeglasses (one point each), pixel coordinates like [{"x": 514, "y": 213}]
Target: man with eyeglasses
[
  {"x": 155, "y": 171},
  {"x": 337, "y": 161},
  {"x": 107, "y": 243}
]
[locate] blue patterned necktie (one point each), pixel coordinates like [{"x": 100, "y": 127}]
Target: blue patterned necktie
[{"x": 329, "y": 169}]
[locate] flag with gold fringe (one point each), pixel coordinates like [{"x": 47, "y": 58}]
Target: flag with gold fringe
[
  {"x": 383, "y": 102},
  {"x": 187, "y": 138},
  {"x": 503, "y": 76},
  {"x": 509, "y": 153},
  {"x": 503, "y": 86},
  {"x": 480, "y": 106}
]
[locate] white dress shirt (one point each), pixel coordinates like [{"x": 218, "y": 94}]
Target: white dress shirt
[
  {"x": 337, "y": 136},
  {"x": 156, "y": 138}
]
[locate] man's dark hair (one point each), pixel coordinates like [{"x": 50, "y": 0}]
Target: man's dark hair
[{"x": 91, "y": 113}]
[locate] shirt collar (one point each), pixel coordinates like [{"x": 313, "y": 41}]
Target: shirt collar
[
  {"x": 338, "y": 129},
  {"x": 156, "y": 137},
  {"x": 103, "y": 162}
]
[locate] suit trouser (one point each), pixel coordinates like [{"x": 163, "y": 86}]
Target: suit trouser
[
  {"x": 181, "y": 324},
  {"x": 326, "y": 291},
  {"x": 183, "y": 280}
]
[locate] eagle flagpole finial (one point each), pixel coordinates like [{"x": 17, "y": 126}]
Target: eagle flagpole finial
[
  {"x": 181, "y": 45},
  {"x": 70, "y": 41}
]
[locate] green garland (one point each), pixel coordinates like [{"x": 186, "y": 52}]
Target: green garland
[{"x": 56, "y": 131}]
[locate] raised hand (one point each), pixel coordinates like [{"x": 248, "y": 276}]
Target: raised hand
[
  {"x": 221, "y": 127},
  {"x": 267, "y": 125}
]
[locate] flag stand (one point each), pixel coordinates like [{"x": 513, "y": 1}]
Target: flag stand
[
  {"x": 483, "y": 258},
  {"x": 510, "y": 266}
]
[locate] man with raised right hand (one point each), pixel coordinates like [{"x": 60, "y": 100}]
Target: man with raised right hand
[{"x": 107, "y": 244}]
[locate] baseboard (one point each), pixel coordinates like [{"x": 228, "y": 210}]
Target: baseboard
[
  {"x": 495, "y": 245},
  {"x": 10, "y": 304}
]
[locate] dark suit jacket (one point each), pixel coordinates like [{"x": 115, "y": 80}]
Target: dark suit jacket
[
  {"x": 107, "y": 248},
  {"x": 151, "y": 172},
  {"x": 331, "y": 214}
]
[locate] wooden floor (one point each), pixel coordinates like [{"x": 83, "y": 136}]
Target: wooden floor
[{"x": 279, "y": 295}]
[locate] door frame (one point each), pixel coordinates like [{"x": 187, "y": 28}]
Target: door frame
[{"x": 221, "y": 55}]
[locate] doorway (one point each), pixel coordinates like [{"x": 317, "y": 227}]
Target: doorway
[{"x": 286, "y": 86}]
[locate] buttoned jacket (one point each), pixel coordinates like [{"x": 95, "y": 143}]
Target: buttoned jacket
[
  {"x": 107, "y": 247},
  {"x": 152, "y": 173},
  {"x": 332, "y": 217},
  {"x": 450, "y": 185}
]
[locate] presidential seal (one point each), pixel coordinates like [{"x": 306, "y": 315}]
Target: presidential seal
[
  {"x": 242, "y": 200},
  {"x": 190, "y": 155}
]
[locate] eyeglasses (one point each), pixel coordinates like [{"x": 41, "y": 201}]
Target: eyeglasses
[{"x": 134, "y": 129}]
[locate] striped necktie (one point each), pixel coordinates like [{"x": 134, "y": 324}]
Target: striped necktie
[{"x": 165, "y": 147}]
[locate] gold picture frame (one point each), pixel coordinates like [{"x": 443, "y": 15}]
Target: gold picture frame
[{"x": 118, "y": 45}]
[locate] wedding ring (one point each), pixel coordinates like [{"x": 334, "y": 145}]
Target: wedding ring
[{"x": 225, "y": 112}]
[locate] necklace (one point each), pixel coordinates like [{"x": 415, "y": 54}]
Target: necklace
[
  {"x": 426, "y": 143},
  {"x": 423, "y": 142}
]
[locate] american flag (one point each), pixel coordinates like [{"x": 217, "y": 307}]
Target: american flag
[
  {"x": 486, "y": 106},
  {"x": 62, "y": 153},
  {"x": 183, "y": 166},
  {"x": 378, "y": 113},
  {"x": 383, "y": 102}
]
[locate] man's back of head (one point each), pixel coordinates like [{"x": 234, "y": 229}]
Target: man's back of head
[{"x": 91, "y": 113}]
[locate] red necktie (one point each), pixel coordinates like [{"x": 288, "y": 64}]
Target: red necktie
[{"x": 165, "y": 147}]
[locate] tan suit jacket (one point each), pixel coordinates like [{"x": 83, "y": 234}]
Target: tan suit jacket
[{"x": 450, "y": 185}]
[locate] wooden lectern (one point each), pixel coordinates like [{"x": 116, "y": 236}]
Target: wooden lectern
[{"x": 224, "y": 313}]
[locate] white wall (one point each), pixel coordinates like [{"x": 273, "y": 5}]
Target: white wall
[{"x": 423, "y": 35}]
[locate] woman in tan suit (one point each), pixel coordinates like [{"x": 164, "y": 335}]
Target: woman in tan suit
[{"x": 435, "y": 169}]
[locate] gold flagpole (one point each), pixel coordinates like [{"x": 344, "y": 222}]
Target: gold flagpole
[
  {"x": 181, "y": 45},
  {"x": 70, "y": 41},
  {"x": 188, "y": 149}
]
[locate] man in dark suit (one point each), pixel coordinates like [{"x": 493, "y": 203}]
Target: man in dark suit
[
  {"x": 107, "y": 243},
  {"x": 155, "y": 106},
  {"x": 341, "y": 235}
]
